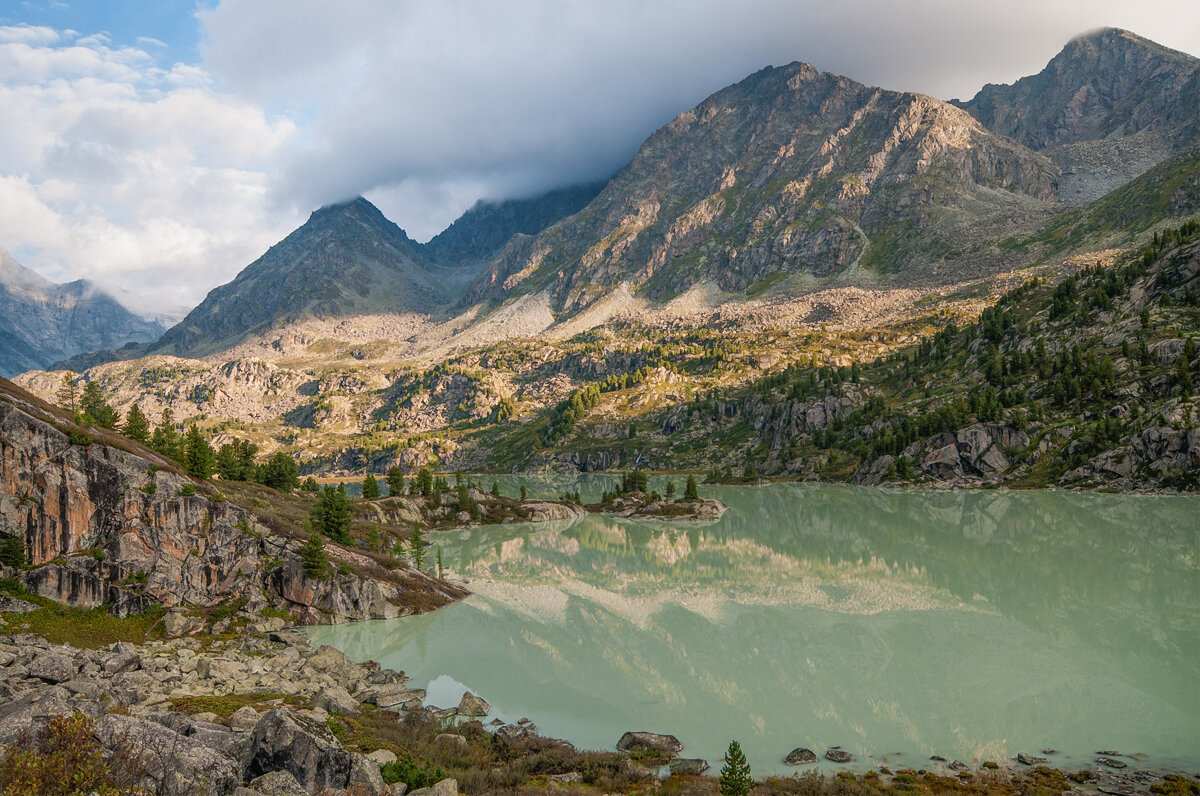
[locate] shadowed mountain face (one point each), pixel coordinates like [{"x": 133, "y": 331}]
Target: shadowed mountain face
[
  {"x": 790, "y": 170},
  {"x": 481, "y": 232},
  {"x": 347, "y": 259},
  {"x": 41, "y": 322}
]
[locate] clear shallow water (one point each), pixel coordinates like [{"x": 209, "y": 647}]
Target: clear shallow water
[{"x": 971, "y": 625}]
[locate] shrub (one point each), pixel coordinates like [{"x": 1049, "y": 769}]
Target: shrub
[{"x": 65, "y": 758}]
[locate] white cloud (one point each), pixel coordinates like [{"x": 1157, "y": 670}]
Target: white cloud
[
  {"x": 135, "y": 175},
  {"x": 409, "y": 100}
]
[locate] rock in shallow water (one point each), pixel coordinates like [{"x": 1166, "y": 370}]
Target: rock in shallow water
[
  {"x": 839, "y": 756},
  {"x": 635, "y": 741},
  {"x": 800, "y": 756},
  {"x": 688, "y": 765},
  {"x": 1030, "y": 760}
]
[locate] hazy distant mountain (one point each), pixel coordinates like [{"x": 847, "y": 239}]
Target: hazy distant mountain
[
  {"x": 481, "y": 232},
  {"x": 789, "y": 170},
  {"x": 1105, "y": 109},
  {"x": 41, "y": 322},
  {"x": 347, "y": 259}
]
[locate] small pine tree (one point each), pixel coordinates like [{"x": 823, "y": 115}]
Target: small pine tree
[
  {"x": 416, "y": 546},
  {"x": 313, "y": 560},
  {"x": 670, "y": 489},
  {"x": 441, "y": 569},
  {"x": 373, "y": 537},
  {"x": 395, "y": 480},
  {"x": 280, "y": 472},
  {"x": 464, "y": 498},
  {"x": 310, "y": 485},
  {"x": 690, "y": 490},
  {"x": 68, "y": 395},
  {"x": 370, "y": 487},
  {"x": 166, "y": 439},
  {"x": 524, "y": 493},
  {"x": 495, "y": 489},
  {"x": 425, "y": 481},
  {"x": 735, "y": 779},
  {"x": 97, "y": 411},
  {"x": 198, "y": 456},
  {"x": 12, "y": 550},
  {"x": 137, "y": 425}
]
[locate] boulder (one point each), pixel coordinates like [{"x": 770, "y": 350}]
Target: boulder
[
  {"x": 30, "y": 710},
  {"x": 174, "y": 763},
  {"x": 53, "y": 667},
  {"x": 337, "y": 700},
  {"x": 471, "y": 705},
  {"x": 688, "y": 765},
  {"x": 447, "y": 787},
  {"x": 278, "y": 783},
  {"x": 121, "y": 662},
  {"x": 287, "y": 741},
  {"x": 243, "y": 719},
  {"x": 638, "y": 741},
  {"x": 838, "y": 755},
  {"x": 1030, "y": 760},
  {"x": 365, "y": 777},
  {"x": 800, "y": 756},
  {"x": 12, "y": 605},
  {"x": 515, "y": 732},
  {"x": 382, "y": 757}
]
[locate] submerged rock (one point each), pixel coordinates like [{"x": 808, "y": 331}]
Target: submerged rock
[
  {"x": 1110, "y": 762},
  {"x": 838, "y": 755},
  {"x": 1030, "y": 760}
]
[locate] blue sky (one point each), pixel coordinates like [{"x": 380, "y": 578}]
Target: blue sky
[{"x": 168, "y": 153}]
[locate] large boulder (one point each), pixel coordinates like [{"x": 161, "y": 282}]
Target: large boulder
[
  {"x": 800, "y": 756},
  {"x": 173, "y": 763},
  {"x": 31, "y": 710},
  {"x": 447, "y": 787},
  {"x": 471, "y": 705},
  {"x": 649, "y": 741},
  {"x": 287, "y": 741},
  {"x": 337, "y": 700},
  {"x": 277, "y": 783}
]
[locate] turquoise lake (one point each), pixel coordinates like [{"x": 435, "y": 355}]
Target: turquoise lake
[{"x": 895, "y": 624}]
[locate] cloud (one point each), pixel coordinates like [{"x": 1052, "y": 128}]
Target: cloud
[
  {"x": 409, "y": 101},
  {"x": 132, "y": 174}
]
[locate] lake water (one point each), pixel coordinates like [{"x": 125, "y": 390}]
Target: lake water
[{"x": 895, "y": 624}]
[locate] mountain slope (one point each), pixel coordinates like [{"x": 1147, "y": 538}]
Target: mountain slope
[
  {"x": 41, "y": 322},
  {"x": 789, "y": 170},
  {"x": 480, "y": 233},
  {"x": 1109, "y": 106},
  {"x": 347, "y": 259}
]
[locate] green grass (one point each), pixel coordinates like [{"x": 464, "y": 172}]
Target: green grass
[{"x": 87, "y": 628}]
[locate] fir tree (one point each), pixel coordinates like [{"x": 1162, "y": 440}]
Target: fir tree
[
  {"x": 524, "y": 493},
  {"x": 12, "y": 550},
  {"x": 166, "y": 439},
  {"x": 395, "y": 480},
  {"x": 310, "y": 485},
  {"x": 425, "y": 481},
  {"x": 416, "y": 546},
  {"x": 198, "y": 456},
  {"x": 690, "y": 491},
  {"x": 97, "y": 411},
  {"x": 68, "y": 395},
  {"x": 495, "y": 489},
  {"x": 137, "y": 425},
  {"x": 670, "y": 489},
  {"x": 331, "y": 514},
  {"x": 280, "y": 472},
  {"x": 735, "y": 779},
  {"x": 373, "y": 542},
  {"x": 440, "y": 569},
  {"x": 370, "y": 487},
  {"x": 313, "y": 560},
  {"x": 464, "y": 498}
]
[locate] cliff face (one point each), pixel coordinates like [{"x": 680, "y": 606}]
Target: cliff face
[
  {"x": 42, "y": 323},
  {"x": 106, "y": 526},
  {"x": 789, "y": 170}
]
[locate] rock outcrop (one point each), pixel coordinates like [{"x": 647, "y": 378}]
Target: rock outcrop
[{"x": 106, "y": 525}]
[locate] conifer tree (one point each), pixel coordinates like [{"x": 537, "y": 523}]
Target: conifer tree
[
  {"x": 331, "y": 515},
  {"x": 690, "y": 491},
  {"x": 166, "y": 439},
  {"x": 12, "y": 550},
  {"x": 96, "y": 411},
  {"x": 137, "y": 425},
  {"x": 313, "y": 560},
  {"x": 441, "y": 569},
  {"x": 310, "y": 485},
  {"x": 670, "y": 489},
  {"x": 68, "y": 395},
  {"x": 425, "y": 481},
  {"x": 524, "y": 492},
  {"x": 395, "y": 480},
  {"x": 495, "y": 489},
  {"x": 373, "y": 542},
  {"x": 370, "y": 487},
  {"x": 198, "y": 456},
  {"x": 735, "y": 779}
]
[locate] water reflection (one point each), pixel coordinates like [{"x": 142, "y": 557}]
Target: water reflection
[{"x": 969, "y": 624}]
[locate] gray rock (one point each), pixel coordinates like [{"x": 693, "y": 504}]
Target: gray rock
[
  {"x": 337, "y": 700},
  {"x": 688, "y": 765},
  {"x": 278, "y": 783},
  {"x": 365, "y": 776},
  {"x": 958, "y": 765},
  {"x": 566, "y": 779},
  {"x": 1030, "y": 760},
  {"x": 30, "y": 710},
  {"x": 396, "y": 789},
  {"x": 53, "y": 667},
  {"x": 800, "y": 756},
  {"x": 12, "y": 605},
  {"x": 515, "y": 732},
  {"x": 244, "y": 719},
  {"x": 635, "y": 741},
  {"x": 174, "y": 763},
  {"x": 121, "y": 662},
  {"x": 447, "y": 787},
  {"x": 382, "y": 757},
  {"x": 1110, "y": 762},
  {"x": 284, "y": 740},
  {"x": 838, "y": 755},
  {"x": 471, "y": 705}
]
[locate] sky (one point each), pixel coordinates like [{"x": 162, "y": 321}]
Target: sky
[{"x": 159, "y": 146}]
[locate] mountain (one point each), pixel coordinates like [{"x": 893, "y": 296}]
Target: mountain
[
  {"x": 791, "y": 170},
  {"x": 41, "y": 322},
  {"x": 1107, "y": 107},
  {"x": 347, "y": 259},
  {"x": 481, "y": 232}
]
